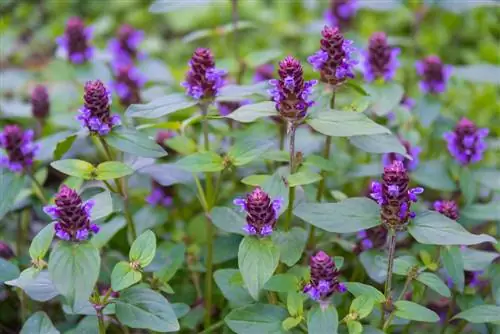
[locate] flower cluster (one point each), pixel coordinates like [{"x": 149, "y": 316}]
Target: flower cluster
[
  {"x": 375, "y": 237},
  {"x": 394, "y": 195},
  {"x": 160, "y": 195},
  {"x": 264, "y": 72},
  {"x": 290, "y": 91},
  {"x": 76, "y": 41},
  {"x": 95, "y": 113},
  {"x": 124, "y": 47},
  {"x": 434, "y": 74},
  {"x": 324, "y": 278},
  {"x": 72, "y": 215},
  {"x": 19, "y": 147},
  {"x": 380, "y": 60},
  {"x": 447, "y": 208},
  {"x": 341, "y": 13},
  {"x": 5, "y": 251},
  {"x": 203, "y": 80},
  {"x": 412, "y": 151},
  {"x": 40, "y": 104},
  {"x": 127, "y": 83},
  {"x": 262, "y": 212},
  {"x": 334, "y": 59},
  {"x": 466, "y": 143}
]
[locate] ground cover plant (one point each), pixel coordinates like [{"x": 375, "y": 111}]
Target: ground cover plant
[{"x": 250, "y": 166}]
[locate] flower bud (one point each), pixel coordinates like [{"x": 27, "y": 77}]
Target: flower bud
[
  {"x": 324, "y": 278},
  {"x": 466, "y": 143},
  {"x": 264, "y": 72},
  {"x": 380, "y": 60},
  {"x": 124, "y": 48},
  {"x": 434, "y": 74},
  {"x": 447, "y": 208},
  {"x": 341, "y": 13},
  {"x": 203, "y": 80},
  {"x": 40, "y": 105},
  {"x": 76, "y": 41},
  {"x": 128, "y": 83},
  {"x": 6, "y": 252},
  {"x": 19, "y": 148},
  {"x": 160, "y": 195}
]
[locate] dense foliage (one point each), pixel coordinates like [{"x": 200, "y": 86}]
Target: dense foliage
[{"x": 250, "y": 166}]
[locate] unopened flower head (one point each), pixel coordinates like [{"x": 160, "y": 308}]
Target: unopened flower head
[
  {"x": 341, "y": 13},
  {"x": 95, "y": 114},
  {"x": 76, "y": 41},
  {"x": 412, "y": 151},
  {"x": 434, "y": 74},
  {"x": 19, "y": 148},
  {"x": 203, "y": 80},
  {"x": 290, "y": 91},
  {"x": 124, "y": 47},
  {"x": 324, "y": 278},
  {"x": 394, "y": 196},
  {"x": 262, "y": 212},
  {"x": 72, "y": 215},
  {"x": 6, "y": 252},
  {"x": 467, "y": 142},
  {"x": 447, "y": 208},
  {"x": 334, "y": 59},
  {"x": 40, "y": 104},
  {"x": 128, "y": 83},
  {"x": 380, "y": 59},
  {"x": 160, "y": 195}
]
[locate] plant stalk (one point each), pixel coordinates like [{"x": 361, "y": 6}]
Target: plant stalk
[
  {"x": 38, "y": 189},
  {"x": 291, "y": 190},
  {"x": 392, "y": 251}
]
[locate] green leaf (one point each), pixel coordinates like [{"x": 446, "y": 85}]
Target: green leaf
[
  {"x": 166, "y": 6},
  {"x": 276, "y": 188},
  {"x": 251, "y": 112},
  {"x": 112, "y": 170},
  {"x": 248, "y": 149},
  {"x": 168, "y": 174},
  {"x": 403, "y": 264},
  {"x": 133, "y": 142},
  {"x": 357, "y": 88},
  {"x": 282, "y": 283},
  {"x": 255, "y": 180},
  {"x": 482, "y": 212},
  {"x": 412, "y": 311},
  {"x": 74, "y": 268},
  {"x": 201, "y": 162},
  {"x": 8, "y": 270},
  {"x": 63, "y": 146},
  {"x": 454, "y": 265},
  {"x": 428, "y": 110},
  {"x": 182, "y": 144},
  {"x": 48, "y": 143},
  {"x": 384, "y": 97},
  {"x": 277, "y": 155},
  {"x": 291, "y": 322},
  {"x": 232, "y": 291},
  {"x": 345, "y": 124},
  {"x": 379, "y": 143},
  {"x": 256, "y": 318},
  {"x": 478, "y": 73},
  {"x": 360, "y": 289},
  {"x": 107, "y": 231},
  {"x": 362, "y": 305},
  {"x": 480, "y": 314},
  {"x": 291, "y": 244},
  {"x": 375, "y": 264},
  {"x": 260, "y": 57},
  {"x": 257, "y": 260},
  {"x": 39, "y": 323},
  {"x": 139, "y": 307},
  {"x": 37, "y": 284},
  {"x": 160, "y": 107},
  {"x": 433, "y": 228},
  {"x": 467, "y": 185},
  {"x": 323, "y": 320},
  {"x": 171, "y": 258},
  {"x": 351, "y": 215},
  {"x": 242, "y": 92},
  {"x": 490, "y": 178},
  {"x": 303, "y": 177},
  {"x": 103, "y": 205},
  {"x": 434, "y": 174},
  {"x": 476, "y": 260},
  {"x": 294, "y": 303},
  {"x": 354, "y": 327},
  {"x": 10, "y": 186},
  {"x": 123, "y": 276},
  {"x": 320, "y": 162},
  {"x": 435, "y": 283},
  {"x": 41, "y": 242},
  {"x": 74, "y": 167},
  {"x": 143, "y": 249},
  {"x": 228, "y": 220}
]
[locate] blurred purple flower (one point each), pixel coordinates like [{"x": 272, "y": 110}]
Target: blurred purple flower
[
  {"x": 467, "y": 142},
  {"x": 203, "y": 80},
  {"x": 6, "y": 252},
  {"x": 324, "y": 278},
  {"x": 374, "y": 237},
  {"x": 76, "y": 41},
  {"x": 410, "y": 165},
  {"x": 434, "y": 74},
  {"x": 160, "y": 195},
  {"x": 264, "y": 72},
  {"x": 447, "y": 208},
  {"x": 19, "y": 148},
  {"x": 40, "y": 104},
  {"x": 341, "y": 13},
  {"x": 380, "y": 59},
  {"x": 124, "y": 47},
  {"x": 127, "y": 83}
]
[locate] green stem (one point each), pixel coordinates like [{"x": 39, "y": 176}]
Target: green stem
[
  {"x": 392, "y": 250},
  {"x": 213, "y": 327},
  {"x": 409, "y": 278},
  {"x": 107, "y": 151},
  {"x": 38, "y": 189},
  {"x": 102, "y": 325},
  {"x": 291, "y": 190}
]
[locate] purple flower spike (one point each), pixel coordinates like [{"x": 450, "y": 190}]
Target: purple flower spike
[
  {"x": 394, "y": 196},
  {"x": 290, "y": 91},
  {"x": 410, "y": 165},
  {"x": 264, "y": 72},
  {"x": 160, "y": 195},
  {"x": 324, "y": 278},
  {"x": 19, "y": 148},
  {"x": 380, "y": 60},
  {"x": 95, "y": 114},
  {"x": 73, "y": 216},
  {"x": 447, "y": 208},
  {"x": 125, "y": 47},
  {"x": 262, "y": 212},
  {"x": 466, "y": 143},
  {"x": 341, "y": 13},
  {"x": 334, "y": 59},
  {"x": 40, "y": 104},
  {"x": 374, "y": 237},
  {"x": 434, "y": 74},
  {"x": 203, "y": 80},
  {"x": 76, "y": 41},
  {"x": 128, "y": 83}
]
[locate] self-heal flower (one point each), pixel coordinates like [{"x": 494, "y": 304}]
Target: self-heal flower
[
  {"x": 124, "y": 47},
  {"x": 380, "y": 59},
  {"x": 434, "y": 74},
  {"x": 128, "y": 83},
  {"x": 160, "y": 195},
  {"x": 447, "y": 208},
  {"x": 76, "y": 41},
  {"x": 40, "y": 104},
  {"x": 341, "y": 13},
  {"x": 334, "y": 59},
  {"x": 466, "y": 143},
  {"x": 394, "y": 196},
  {"x": 290, "y": 91},
  {"x": 19, "y": 148},
  {"x": 95, "y": 114},
  {"x": 72, "y": 215},
  {"x": 203, "y": 80},
  {"x": 412, "y": 151},
  {"x": 324, "y": 278},
  {"x": 263, "y": 72},
  {"x": 371, "y": 238},
  {"x": 262, "y": 212}
]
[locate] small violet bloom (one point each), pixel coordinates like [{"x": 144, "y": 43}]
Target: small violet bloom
[
  {"x": 434, "y": 74},
  {"x": 40, "y": 104},
  {"x": 466, "y": 143},
  {"x": 160, "y": 195},
  {"x": 19, "y": 148},
  {"x": 324, "y": 278},
  {"x": 412, "y": 151},
  {"x": 76, "y": 41},
  {"x": 447, "y": 208},
  {"x": 380, "y": 59},
  {"x": 127, "y": 83},
  {"x": 203, "y": 80},
  {"x": 341, "y": 13},
  {"x": 124, "y": 47}
]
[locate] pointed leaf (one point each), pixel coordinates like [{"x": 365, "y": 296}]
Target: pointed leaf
[
  {"x": 412, "y": 311},
  {"x": 345, "y": 124},
  {"x": 249, "y": 149},
  {"x": 37, "y": 284},
  {"x": 360, "y": 289},
  {"x": 433, "y": 174},
  {"x": 10, "y": 186},
  {"x": 476, "y": 260},
  {"x": 303, "y": 177},
  {"x": 64, "y": 146},
  {"x": 379, "y": 143},
  {"x": 160, "y": 107},
  {"x": 257, "y": 318},
  {"x": 228, "y": 220},
  {"x": 291, "y": 244},
  {"x": 251, "y": 112},
  {"x": 323, "y": 320},
  {"x": 454, "y": 265},
  {"x": 41, "y": 242},
  {"x": 74, "y": 167},
  {"x": 123, "y": 276},
  {"x": 481, "y": 212},
  {"x": 282, "y": 283},
  {"x": 112, "y": 170},
  {"x": 143, "y": 249},
  {"x": 232, "y": 291},
  {"x": 481, "y": 314},
  {"x": 435, "y": 283},
  {"x": 201, "y": 162},
  {"x": 362, "y": 305},
  {"x": 134, "y": 142},
  {"x": 39, "y": 323}
]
